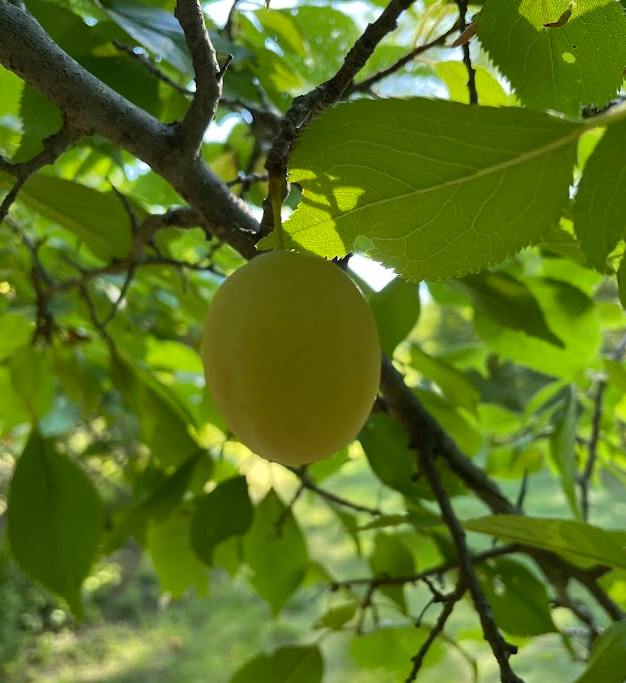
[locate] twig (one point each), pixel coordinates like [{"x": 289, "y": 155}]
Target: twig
[
  {"x": 596, "y": 428},
  {"x": 54, "y": 145},
  {"x": 248, "y": 179},
  {"x": 310, "y": 485},
  {"x": 288, "y": 509},
  {"x": 467, "y": 59},
  {"x": 436, "y": 630},
  {"x": 152, "y": 68},
  {"x": 437, "y": 570},
  {"x": 229, "y": 26},
  {"x": 325, "y": 95},
  {"x": 501, "y": 649},
  {"x": 208, "y": 77},
  {"x": 366, "y": 85}
]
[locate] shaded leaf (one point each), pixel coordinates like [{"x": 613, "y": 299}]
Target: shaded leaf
[
  {"x": 390, "y": 557},
  {"x": 40, "y": 119},
  {"x": 600, "y": 206},
  {"x": 563, "y": 446},
  {"x": 616, "y": 374},
  {"x": 510, "y": 303},
  {"x": 451, "y": 199},
  {"x": 224, "y": 512},
  {"x": 55, "y": 520},
  {"x": 607, "y": 663},
  {"x": 33, "y": 380},
  {"x": 276, "y": 551},
  {"x": 518, "y": 599},
  {"x": 396, "y": 309},
  {"x": 15, "y": 331},
  {"x": 287, "y": 664},
  {"x": 455, "y": 385},
  {"x": 337, "y": 615},
  {"x": 581, "y": 542}
]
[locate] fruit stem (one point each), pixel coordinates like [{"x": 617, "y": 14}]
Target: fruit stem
[{"x": 276, "y": 191}]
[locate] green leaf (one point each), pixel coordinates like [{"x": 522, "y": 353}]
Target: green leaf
[
  {"x": 282, "y": 28},
  {"x": 391, "y": 557},
  {"x": 391, "y": 650},
  {"x": 163, "y": 420},
  {"x": 12, "y": 410},
  {"x": 287, "y": 665},
  {"x": 569, "y": 313},
  {"x": 621, "y": 282},
  {"x": 98, "y": 218},
  {"x": 158, "y": 504},
  {"x": 175, "y": 562},
  {"x": 14, "y": 333},
  {"x": 224, "y": 512},
  {"x": 55, "y": 520},
  {"x": 40, "y": 119},
  {"x": 33, "y": 380},
  {"x": 563, "y": 67},
  {"x": 580, "y": 542},
  {"x": 450, "y": 199},
  {"x": 599, "y": 219},
  {"x": 510, "y": 303},
  {"x": 455, "y": 385},
  {"x": 396, "y": 309},
  {"x": 11, "y": 89},
  {"x": 563, "y": 447},
  {"x": 607, "y": 663},
  {"x": 337, "y": 615},
  {"x": 275, "y": 550},
  {"x": 154, "y": 28},
  {"x": 518, "y": 599},
  {"x": 454, "y": 75},
  {"x": 616, "y": 374}
]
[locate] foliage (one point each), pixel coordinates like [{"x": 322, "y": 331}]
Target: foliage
[{"x": 479, "y": 510}]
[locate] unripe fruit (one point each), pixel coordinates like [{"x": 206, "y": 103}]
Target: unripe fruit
[{"x": 291, "y": 357}]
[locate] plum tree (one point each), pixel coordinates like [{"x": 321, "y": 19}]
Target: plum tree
[{"x": 292, "y": 356}]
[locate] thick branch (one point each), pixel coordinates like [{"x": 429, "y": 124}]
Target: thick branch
[
  {"x": 90, "y": 105},
  {"x": 208, "y": 78}
]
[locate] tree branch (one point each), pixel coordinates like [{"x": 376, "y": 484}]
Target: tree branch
[
  {"x": 90, "y": 105},
  {"x": 596, "y": 427},
  {"x": 208, "y": 78}
]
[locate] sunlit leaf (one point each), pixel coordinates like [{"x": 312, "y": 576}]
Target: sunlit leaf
[
  {"x": 557, "y": 55},
  {"x": 607, "y": 663},
  {"x": 563, "y": 445},
  {"x": 451, "y": 199}
]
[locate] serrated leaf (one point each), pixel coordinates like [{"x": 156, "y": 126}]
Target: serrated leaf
[
  {"x": 287, "y": 664},
  {"x": 224, "y": 512},
  {"x": 98, "y": 218},
  {"x": 337, "y": 615},
  {"x": 581, "y": 542},
  {"x": 563, "y": 447},
  {"x": 455, "y": 385},
  {"x": 510, "y": 303},
  {"x": 396, "y": 309},
  {"x": 390, "y": 557},
  {"x": 607, "y": 663},
  {"x": 276, "y": 551},
  {"x": 455, "y": 197},
  {"x": 560, "y": 67},
  {"x": 55, "y": 520},
  {"x": 40, "y": 119},
  {"x": 600, "y": 206},
  {"x": 176, "y": 564},
  {"x": 518, "y": 599},
  {"x": 15, "y": 331}
]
